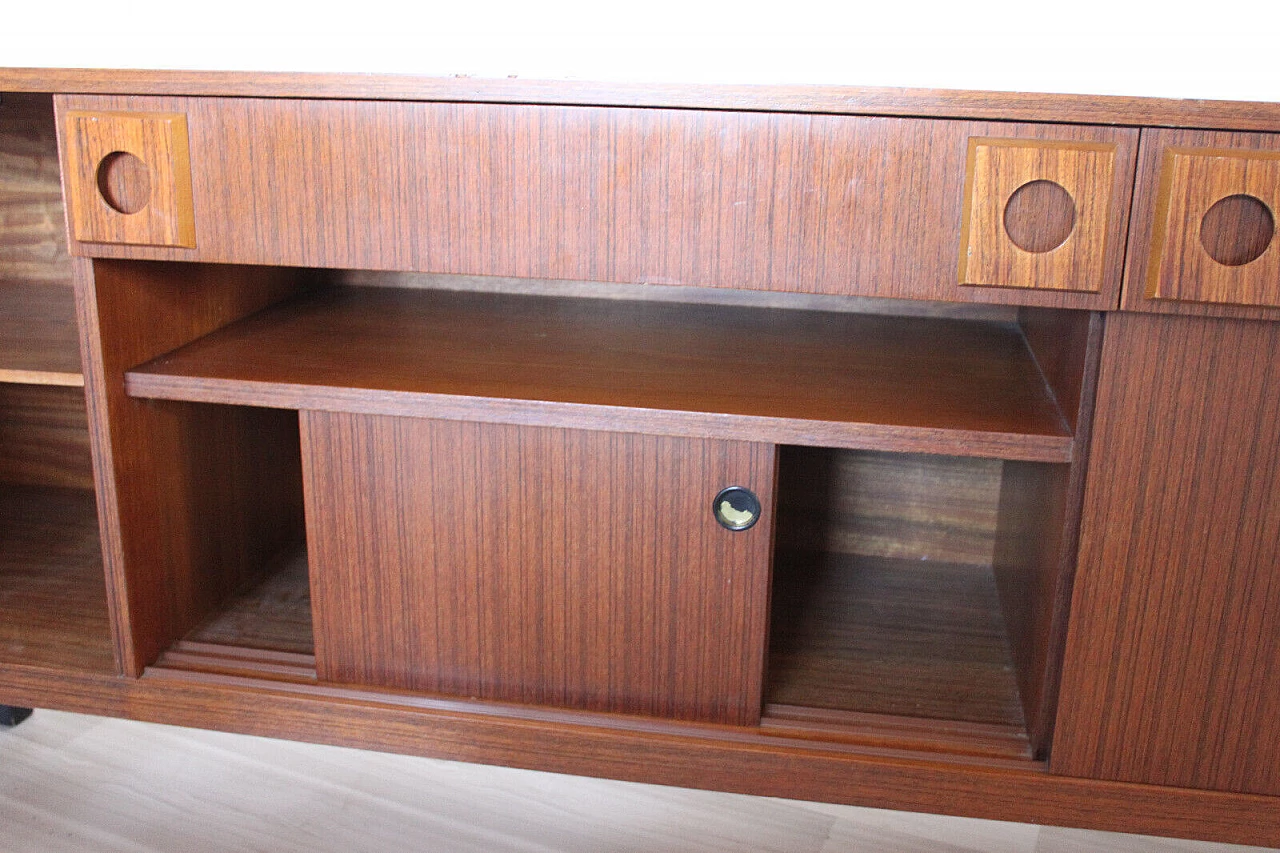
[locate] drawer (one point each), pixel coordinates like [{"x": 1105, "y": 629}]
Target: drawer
[
  {"x": 1205, "y": 224},
  {"x": 846, "y": 205},
  {"x": 543, "y": 566}
]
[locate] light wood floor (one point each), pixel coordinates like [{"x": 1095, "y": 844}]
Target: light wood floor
[{"x": 76, "y": 783}]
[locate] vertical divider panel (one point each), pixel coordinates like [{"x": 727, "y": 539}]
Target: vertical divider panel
[
  {"x": 192, "y": 498},
  {"x": 1039, "y": 519}
]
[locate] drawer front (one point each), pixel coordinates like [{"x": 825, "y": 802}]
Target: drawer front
[
  {"x": 827, "y": 204},
  {"x": 541, "y": 566},
  {"x": 1205, "y": 224}
]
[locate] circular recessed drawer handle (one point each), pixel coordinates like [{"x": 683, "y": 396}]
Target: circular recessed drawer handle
[{"x": 736, "y": 508}]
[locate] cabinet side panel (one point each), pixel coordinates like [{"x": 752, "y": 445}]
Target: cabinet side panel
[
  {"x": 540, "y": 566},
  {"x": 1172, "y": 671},
  {"x": 848, "y": 205}
]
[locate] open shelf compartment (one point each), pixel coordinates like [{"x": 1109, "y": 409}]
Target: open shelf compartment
[
  {"x": 899, "y": 612},
  {"x": 53, "y": 602},
  {"x": 53, "y": 597},
  {"x": 759, "y": 374},
  {"x": 924, "y": 471}
]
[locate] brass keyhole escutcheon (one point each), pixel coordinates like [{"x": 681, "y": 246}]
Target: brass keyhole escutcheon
[{"x": 736, "y": 508}]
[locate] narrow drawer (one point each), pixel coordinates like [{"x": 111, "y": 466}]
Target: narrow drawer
[
  {"x": 542, "y": 566},
  {"x": 846, "y": 205}
]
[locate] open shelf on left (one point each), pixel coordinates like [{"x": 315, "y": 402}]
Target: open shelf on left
[
  {"x": 53, "y": 602},
  {"x": 53, "y": 606}
]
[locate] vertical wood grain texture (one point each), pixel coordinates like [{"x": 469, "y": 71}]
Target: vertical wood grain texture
[
  {"x": 44, "y": 437},
  {"x": 1081, "y": 249},
  {"x": 33, "y": 235},
  {"x": 194, "y": 499},
  {"x": 1039, "y": 517},
  {"x": 1172, "y": 671},
  {"x": 1192, "y": 182},
  {"x": 819, "y": 203},
  {"x": 160, "y": 210},
  {"x": 1148, "y": 235},
  {"x": 533, "y": 565},
  {"x": 1065, "y": 345}
]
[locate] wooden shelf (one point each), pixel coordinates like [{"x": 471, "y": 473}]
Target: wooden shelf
[
  {"x": 883, "y": 636},
  {"x": 38, "y": 340},
  {"x": 906, "y": 384},
  {"x": 53, "y": 602}
]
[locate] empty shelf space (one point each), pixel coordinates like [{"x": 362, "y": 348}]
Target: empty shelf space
[
  {"x": 801, "y": 377},
  {"x": 894, "y": 637},
  {"x": 53, "y": 602},
  {"x": 274, "y": 615},
  {"x": 38, "y": 339}
]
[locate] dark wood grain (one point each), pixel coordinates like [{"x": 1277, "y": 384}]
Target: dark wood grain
[
  {"x": 1039, "y": 518},
  {"x": 1065, "y": 345},
  {"x": 885, "y": 636},
  {"x": 1172, "y": 671},
  {"x": 196, "y": 500},
  {"x": 38, "y": 339},
  {"x": 854, "y": 100},
  {"x": 896, "y": 732},
  {"x": 272, "y": 614},
  {"x": 896, "y": 505},
  {"x": 1143, "y": 226},
  {"x": 541, "y": 566},
  {"x": 702, "y": 371},
  {"x": 813, "y": 203},
  {"x": 33, "y": 237},
  {"x": 44, "y": 437},
  {"x": 53, "y": 602}
]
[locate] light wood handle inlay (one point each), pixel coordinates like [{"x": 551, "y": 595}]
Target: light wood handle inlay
[
  {"x": 1036, "y": 214},
  {"x": 129, "y": 178},
  {"x": 1214, "y": 234}
]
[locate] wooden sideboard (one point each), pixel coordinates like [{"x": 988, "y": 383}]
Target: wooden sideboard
[{"x": 910, "y": 449}]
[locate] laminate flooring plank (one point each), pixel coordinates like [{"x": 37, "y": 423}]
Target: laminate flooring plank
[{"x": 76, "y": 783}]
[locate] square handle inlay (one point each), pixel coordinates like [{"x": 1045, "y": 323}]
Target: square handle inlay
[
  {"x": 129, "y": 178},
  {"x": 1036, "y": 214},
  {"x": 1213, "y": 239}
]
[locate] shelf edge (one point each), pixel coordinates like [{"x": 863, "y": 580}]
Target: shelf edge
[{"x": 771, "y": 430}]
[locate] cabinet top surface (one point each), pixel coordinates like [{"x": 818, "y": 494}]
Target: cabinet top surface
[{"x": 932, "y": 103}]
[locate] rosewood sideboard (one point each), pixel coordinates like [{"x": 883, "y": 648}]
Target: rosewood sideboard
[{"x": 910, "y": 449}]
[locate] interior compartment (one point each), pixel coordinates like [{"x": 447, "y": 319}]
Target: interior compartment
[
  {"x": 927, "y": 462},
  {"x": 53, "y": 603},
  {"x": 901, "y": 613},
  {"x": 243, "y": 540}
]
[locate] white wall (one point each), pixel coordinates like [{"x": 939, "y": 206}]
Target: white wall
[{"x": 1225, "y": 49}]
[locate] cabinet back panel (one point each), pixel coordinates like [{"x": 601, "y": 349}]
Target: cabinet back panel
[
  {"x": 33, "y": 234},
  {"x": 535, "y": 565},
  {"x": 905, "y": 506},
  {"x": 765, "y": 201},
  {"x": 44, "y": 437}
]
